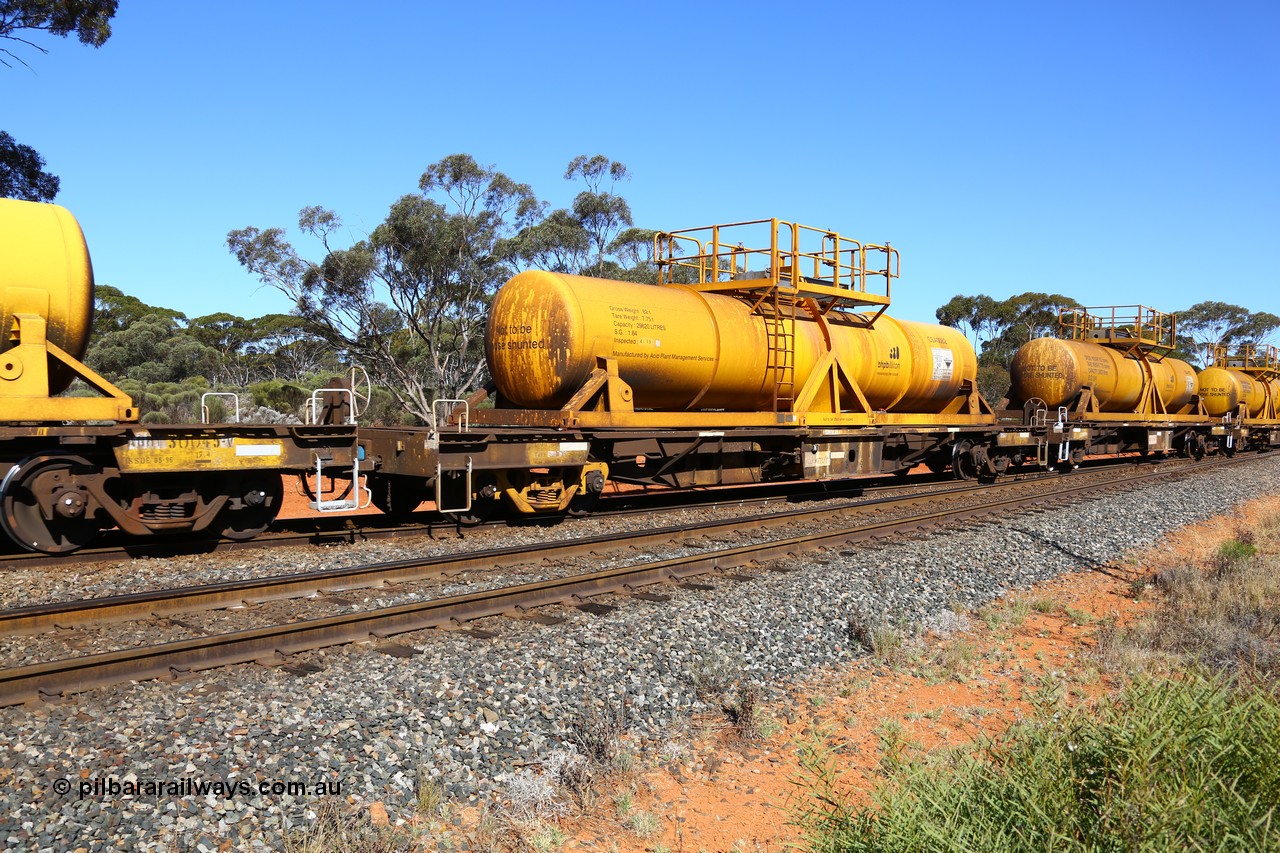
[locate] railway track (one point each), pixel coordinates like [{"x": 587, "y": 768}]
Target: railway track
[
  {"x": 276, "y": 643},
  {"x": 339, "y": 529},
  {"x": 298, "y": 532}
]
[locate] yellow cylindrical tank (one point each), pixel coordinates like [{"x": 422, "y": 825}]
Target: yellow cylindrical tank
[
  {"x": 45, "y": 270},
  {"x": 1222, "y": 390},
  {"x": 1055, "y": 370},
  {"x": 679, "y": 349}
]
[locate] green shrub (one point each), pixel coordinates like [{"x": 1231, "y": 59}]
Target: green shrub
[
  {"x": 1234, "y": 554},
  {"x": 1189, "y": 764},
  {"x": 279, "y": 395}
]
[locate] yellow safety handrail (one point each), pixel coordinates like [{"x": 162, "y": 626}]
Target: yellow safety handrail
[
  {"x": 1126, "y": 326},
  {"x": 1251, "y": 358},
  {"x": 793, "y": 258}
]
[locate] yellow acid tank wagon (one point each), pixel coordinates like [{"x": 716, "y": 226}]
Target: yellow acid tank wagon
[
  {"x": 1114, "y": 363},
  {"x": 1245, "y": 383},
  {"x": 1056, "y": 370},
  {"x": 680, "y": 349}
]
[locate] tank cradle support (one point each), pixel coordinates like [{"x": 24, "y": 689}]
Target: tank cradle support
[{"x": 25, "y": 382}]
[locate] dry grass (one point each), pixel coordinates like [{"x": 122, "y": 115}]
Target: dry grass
[
  {"x": 1183, "y": 757},
  {"x": 1224, "y": 617},
  {"x": 337, "y": 828}
]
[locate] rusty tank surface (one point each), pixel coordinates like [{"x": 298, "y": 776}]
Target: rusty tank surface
[
  {"x": 680, "y": 349},
  {"x": 47, "y": 274},
  {"x": 1112, "y": 360},
  {"x": 1245, "y": 382},
  {"x": 1056, "y": 370}
]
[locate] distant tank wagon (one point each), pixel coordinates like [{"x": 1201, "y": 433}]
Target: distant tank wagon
[
  {"x": 1244, "y": 384},
  {"x": 1242, "y": 389},
  {"x": 1110, "y": 377},
  {"x": 1058, "y": 371}
]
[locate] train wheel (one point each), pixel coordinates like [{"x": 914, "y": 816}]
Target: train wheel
[
  {"x": 586, "y": 501},
  {"x": 254, "y": 504},
  {"x": 963, "y": 466},
  {"x": 43, "y": 507},
  {"x": 1200, "y": 447},
  {"x": 397, "y": 497}
]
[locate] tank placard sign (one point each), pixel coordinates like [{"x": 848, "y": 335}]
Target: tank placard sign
[
  {"x": 943, "y": 364},
  {"x": 634, "y": 327}
]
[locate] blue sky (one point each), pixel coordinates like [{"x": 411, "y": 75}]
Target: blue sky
[{"x": 1117, "y": 152}]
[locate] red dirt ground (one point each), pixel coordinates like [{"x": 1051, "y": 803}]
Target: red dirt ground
[{"x": 743, "y": 803}]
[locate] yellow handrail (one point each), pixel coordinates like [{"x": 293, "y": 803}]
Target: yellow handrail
[
  {"x": 797, "y": 259},
  {"x": 1128, "y": 326}
]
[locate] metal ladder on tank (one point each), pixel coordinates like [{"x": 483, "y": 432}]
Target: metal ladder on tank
[{"x": 780, "y": 328}]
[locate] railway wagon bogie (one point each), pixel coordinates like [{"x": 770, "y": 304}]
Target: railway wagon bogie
[{"x": 62, "y": 485}]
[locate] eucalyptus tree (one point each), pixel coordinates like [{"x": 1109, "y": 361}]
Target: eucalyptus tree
[
  {"x": 600, "y": 210},
  {"x": 1210, "y": 324},
  {"x": 22, "y": 173},
  {"x": 409, "y": 301}
]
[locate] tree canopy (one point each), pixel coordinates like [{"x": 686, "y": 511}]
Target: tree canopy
[
  {"x": 166, "y": 361},
  {"x": 22, "y": 173},
  {"x": 1209, "y": 324},
  {"x": 410, "y": 300},
  {"x": 89, "y": 20}
]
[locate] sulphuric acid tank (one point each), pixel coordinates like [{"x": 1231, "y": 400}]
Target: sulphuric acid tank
[
  {"x": 1055, "y": 370},
  {"x": 679, "y": 349},
  {"x": 45, "y": 270},
  {"x": 1223, "y": 389}
]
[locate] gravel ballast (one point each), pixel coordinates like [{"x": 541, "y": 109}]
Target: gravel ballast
[{"x": 474, "y": 706}]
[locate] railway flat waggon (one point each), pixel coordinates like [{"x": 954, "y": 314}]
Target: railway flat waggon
[
  {"x": 1242, "y": 387},
  {"x": 763, "y": 353}
]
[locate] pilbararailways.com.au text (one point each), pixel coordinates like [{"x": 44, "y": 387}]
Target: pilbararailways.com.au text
[{"x": 189, "y": 786}]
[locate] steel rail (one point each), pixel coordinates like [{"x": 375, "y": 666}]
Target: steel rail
[
  {"x": 294, "y": 532},
  {"x": 297, "y": 532},
  {"x": 272, "y": 644},
  {"x": 37, "y": 618}
]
